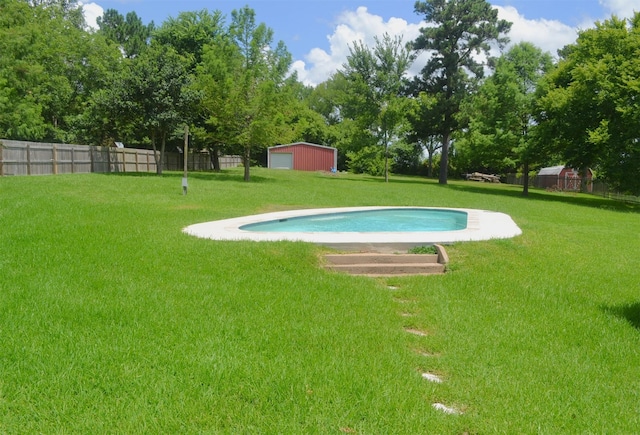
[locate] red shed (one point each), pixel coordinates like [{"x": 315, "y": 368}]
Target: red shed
[
  {"x": 562, "y": 178},
  {"x": 302, "y": 156}
]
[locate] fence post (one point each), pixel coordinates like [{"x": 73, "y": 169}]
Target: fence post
[
  {"x": 54, "y": 159},
  {"x": 1, "y": 158},
  {"x": 28, "y": 160},
  {"x": 91, "y": 158},
  {"x": 108, "y": 160}
]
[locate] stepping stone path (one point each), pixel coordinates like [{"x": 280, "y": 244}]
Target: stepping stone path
[
  {"x": 446, "y": 409},
  {"x": 426, "y": 354},
  {"x": 404, "y": 301},
  {"x": 431, "y": 377},
  {"x": 416, "y": 332},
  {"x": 381, "y": 265}
]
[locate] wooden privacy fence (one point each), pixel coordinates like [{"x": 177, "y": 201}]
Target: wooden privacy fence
[{"x": 33, "y": 158}]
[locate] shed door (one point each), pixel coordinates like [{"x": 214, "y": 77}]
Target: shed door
[{"x": 282, "y": 160}]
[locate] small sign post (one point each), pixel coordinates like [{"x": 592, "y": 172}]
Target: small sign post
[{"x": 185, "y": 184}]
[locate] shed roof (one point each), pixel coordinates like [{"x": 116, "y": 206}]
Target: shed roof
[
  {"x": 551, "y": 170},
  {"x": 303, "y": 143}
]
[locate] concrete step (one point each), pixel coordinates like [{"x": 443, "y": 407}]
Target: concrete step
[
  {"x": 389, "y": 269},
  {"x": 374, "y": 258},
  {"x": 385, "y": 264}
]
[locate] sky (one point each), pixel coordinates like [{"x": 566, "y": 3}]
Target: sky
[{"x": 318, "y": 33}]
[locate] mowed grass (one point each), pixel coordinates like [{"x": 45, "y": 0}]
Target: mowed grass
[{"x": 114, "y": 321}]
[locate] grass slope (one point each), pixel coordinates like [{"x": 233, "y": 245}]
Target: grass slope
[{"x": 112, "y": 320}]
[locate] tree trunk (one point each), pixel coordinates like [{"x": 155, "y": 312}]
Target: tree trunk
[
  {"x": 386, "y": 163},
  {"x": 525, "y": 182},
  {"x": 246, "y": 160},
  {"x": 444, "y": 159},
  {"x": 215, "y": 158},
  {"x": 156, "y": 157},
  {"x": 584, "y": 187}
]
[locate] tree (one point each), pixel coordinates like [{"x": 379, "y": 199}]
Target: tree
[
  {"x": 66, "y": 10},
  {"x": 375, "y": 78},
  {"x": 190, "y": 32},
  {"x": 20, "y": 109},
  {"x": 302, "y": 122},
  {"x": 407, "y": 159},
  {"x": 131, "y": 35},
  {"x": 422, "y": 120},
  {"x": 48, "y": 67},
  {"x": 501, "y": 114},
  {"x": 330, "y": 100},
  {"x": 155, "y": 94},
  {"x": 242, "y": 77},
  {"x": 95, "y": 118},
  {"x": 591, "y": 112},
  {"x": 455, "y": 31},
  {"x": 214, "y": 79}
]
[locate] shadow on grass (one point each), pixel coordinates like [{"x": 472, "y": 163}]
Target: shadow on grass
[
  {"x": 217, "y": 176},
  {"x": 513, "y": 191},
  {"x": 628, "y": 312},
  {"x": 380, "y": 179}
]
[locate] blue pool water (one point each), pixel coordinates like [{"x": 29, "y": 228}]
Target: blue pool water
[{"x": 379, "y": 220}]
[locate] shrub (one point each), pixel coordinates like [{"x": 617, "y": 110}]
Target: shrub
[{"x": 368, "y": 160}]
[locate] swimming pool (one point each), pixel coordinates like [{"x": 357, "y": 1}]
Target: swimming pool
[
  {"x": 480, "y": 225},
  {"x": 369, "y": 221}
]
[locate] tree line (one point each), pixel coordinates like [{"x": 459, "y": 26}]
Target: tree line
[{"x": 231, "y": 84}]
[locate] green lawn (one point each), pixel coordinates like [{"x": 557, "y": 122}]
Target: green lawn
[{"x": 114, "y": 321}]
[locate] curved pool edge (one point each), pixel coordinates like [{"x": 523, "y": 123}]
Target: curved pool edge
[{"x": 481, "y": 225}]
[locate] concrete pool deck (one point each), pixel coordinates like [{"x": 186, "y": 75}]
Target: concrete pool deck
[{"x": 481, "y": 225}]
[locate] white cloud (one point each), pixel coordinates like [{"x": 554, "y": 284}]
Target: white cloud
[
  {"x": 351, "y": 26},
  {"x": 91, "y": 13},
  {"x": 621, "y": 8},
  {"x": 549, "y": 35}
]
